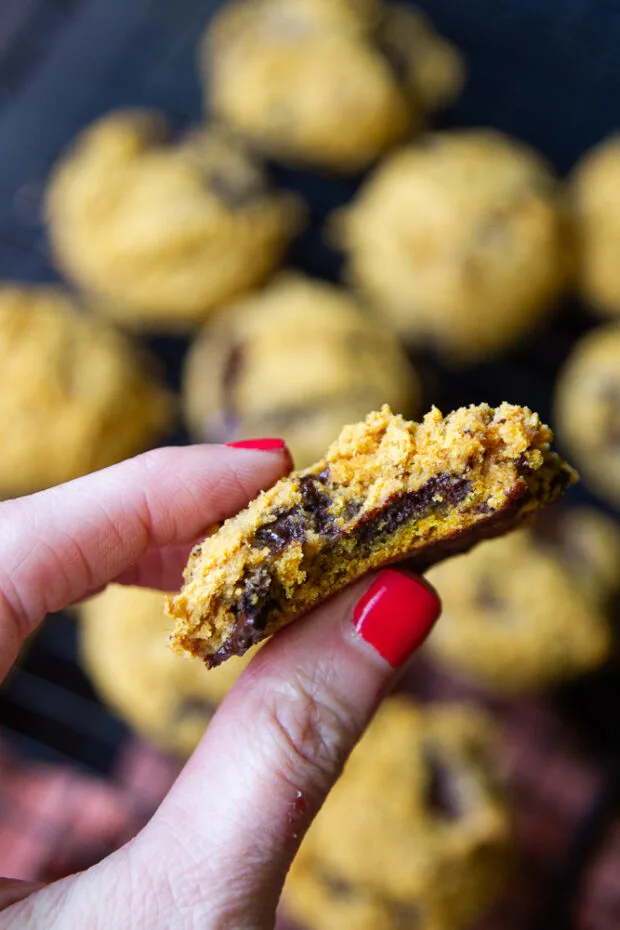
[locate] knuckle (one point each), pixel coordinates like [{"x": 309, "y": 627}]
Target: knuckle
[{"x": 312, "y": 728}]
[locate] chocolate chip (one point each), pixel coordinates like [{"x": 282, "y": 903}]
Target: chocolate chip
[
  {"x": 395, "y": 38},
  {"x": 317, "y": 503},
  {"x": 452, "y": 489},
  {"x": 405, "y": 916},
  {"x": 193, "y": 707},
  {"x": 287, "y": 527},
  {"x": 237, "y": 192},
  {"x": 442, "y": 796},
  {"x": 337, "y": 887},
  {"x": 488, "y": 597}
]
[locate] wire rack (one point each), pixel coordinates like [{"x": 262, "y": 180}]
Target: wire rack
[{"x": 546, "y": 71}]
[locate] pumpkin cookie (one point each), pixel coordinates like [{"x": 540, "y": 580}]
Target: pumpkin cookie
[
  {"x": 123, "y": 647},
  {"x": 328, "y": 83},
  {"x": 387, "y": 490},
  {"x": 595, "y": 203},
  {"x": 298, "y": 360},
  {"x": 417, "y": 831},
  {"x": 75, "y": 394},
  {"x": 532, "y": 609},
  {"x": 458, "y": 240},
  {"x": 587, "y": 409},
  {"x": 158, "y": 231}
]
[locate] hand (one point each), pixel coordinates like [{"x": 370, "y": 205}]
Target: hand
[{"x": 216, "y": 852}]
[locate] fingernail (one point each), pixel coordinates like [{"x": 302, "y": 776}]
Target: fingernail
[
  {"x": 396, "y": 615},
  {"x": 263, "y": 445}
]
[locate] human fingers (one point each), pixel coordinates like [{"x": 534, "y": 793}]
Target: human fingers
[{"x": 61, "y": 544}]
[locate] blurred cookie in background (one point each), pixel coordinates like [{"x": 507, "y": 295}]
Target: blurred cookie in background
[
  {"x": 458, "y": 239},
  {"x": 298, "y": 360},
  {"x": 534, "y": 608},
  {"x": 430, "y": 67},
  {"x": 587, "y": 409},
  {"x": 417, "y": 831},
  {"x": 75, "y": 394},
  {"x": 328, "y": 83},
  {"x": 594, "y": 196},
  {"x": 168, "y": 699},
  {"x": 158, "y": 231}
]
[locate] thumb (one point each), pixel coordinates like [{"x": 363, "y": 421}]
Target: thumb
[{"x": 217, "y": 851}]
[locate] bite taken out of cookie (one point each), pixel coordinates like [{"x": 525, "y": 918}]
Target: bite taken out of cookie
[{"x": 387, "y": 490}]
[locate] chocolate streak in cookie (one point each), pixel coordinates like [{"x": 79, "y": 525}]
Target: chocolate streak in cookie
[{"x": 388, "y": 490}]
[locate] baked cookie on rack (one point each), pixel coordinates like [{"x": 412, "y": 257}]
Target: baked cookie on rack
[
  {"x": 75, "y": 394},
  {"x": 459, "y": 240},
  {"x": 327, "y": 83},
  {"x": 299, "y": 360},
  {"x": 123, "y": 648},
  {"x": 159, "y": 231},
  {"x": 417, "y": 831}
]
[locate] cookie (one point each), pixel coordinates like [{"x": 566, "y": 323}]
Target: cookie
[
  {"x": 298, "y": 360},
  {"x": 595, "y": 206},
  {"x": 417, "y": 831},
  {"x": 75, "y": 395},
  {"x": 174, "y": 228},
  {"x": 323, "y": 82},
  {"x": 459, "y": 240},
  {"x": 123, "y": 648},
  {"x": 533, "y": 609},
  {"x": 587, "y": 409},
  {"x": 387, "y": 490}
]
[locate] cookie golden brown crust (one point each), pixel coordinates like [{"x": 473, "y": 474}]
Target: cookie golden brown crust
[
  {"x": 387, "y": 490},
  {"x": 173, "y": 228},
  {"x": 416, "y": 833},
  {"x": 75, "y": 394}
]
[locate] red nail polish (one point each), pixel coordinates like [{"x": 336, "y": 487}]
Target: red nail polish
[
  {"x": 396, "y": 615},
  {"x": 263, "y": 445}
]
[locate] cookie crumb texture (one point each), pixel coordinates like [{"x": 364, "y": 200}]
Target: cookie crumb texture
[
  {"x": 535, "y": 608},
  {"x": 173, "y": 228},
  {"x": 123, "y": 648},
  {"x": 387, "y": 490},
  {"x": 76, "y": 395},
  {"x": 416, "y": 833}
]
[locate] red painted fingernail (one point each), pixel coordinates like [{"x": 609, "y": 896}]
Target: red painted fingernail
[
  {"x": 396, "y": 615},
  {"x": 263, "y": 445}
]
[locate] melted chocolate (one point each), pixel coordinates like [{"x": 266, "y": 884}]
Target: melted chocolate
[
  {"x": 442, "y": 795},
  {"x": 259, "y": 597},
  {"x": 410, "y": 505},
  {"x": 317, "y": 503},
  {"x": 287, "y": 527},
  {"x": 237, "y": 192}
]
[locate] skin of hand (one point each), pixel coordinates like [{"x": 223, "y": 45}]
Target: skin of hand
[{"x": 216, "y": 852}]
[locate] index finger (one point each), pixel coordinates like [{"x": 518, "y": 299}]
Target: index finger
[{"x": 59, "y": 544}]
